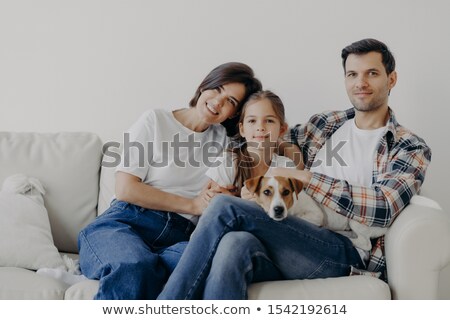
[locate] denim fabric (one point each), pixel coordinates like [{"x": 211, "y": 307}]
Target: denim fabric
[
  {"x": 236, "y": 243},
  {"x": 240, "y": 259},
  {"x": 132, "y": 250}
]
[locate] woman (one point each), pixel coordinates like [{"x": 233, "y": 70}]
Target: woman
[{"x": 160, "y": 188}]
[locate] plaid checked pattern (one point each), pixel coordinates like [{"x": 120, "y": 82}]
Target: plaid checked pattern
[{"x": 398, "y": 172}]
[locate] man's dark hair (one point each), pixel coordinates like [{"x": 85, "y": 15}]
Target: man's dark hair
[{"x": 370, "y": 45}]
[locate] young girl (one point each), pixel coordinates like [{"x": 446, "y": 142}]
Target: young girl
[{"x": 261, "y": 124}]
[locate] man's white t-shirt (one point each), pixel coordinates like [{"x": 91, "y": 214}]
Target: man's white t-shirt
[
  {"x": 223, "y": 173},
  {"x": 166, "y": 155},
  {"x": 349, "y": 154}
]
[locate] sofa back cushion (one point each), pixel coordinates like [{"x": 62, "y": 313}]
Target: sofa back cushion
[
  {"x": 111, "y": 159},
  {"x": 68, "y": 165}
]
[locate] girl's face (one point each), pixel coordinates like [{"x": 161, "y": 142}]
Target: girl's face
[
  {"x": 261, "y": 126},
  {"x": 217, "y": 105}
]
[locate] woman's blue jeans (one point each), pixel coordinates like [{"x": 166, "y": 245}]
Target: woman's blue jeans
[
  {"x": 237, "y": 243},
  {"x": 132, "y": 250}
]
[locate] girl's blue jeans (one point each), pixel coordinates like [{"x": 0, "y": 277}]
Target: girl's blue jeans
[{"x": 236, "y": 243}]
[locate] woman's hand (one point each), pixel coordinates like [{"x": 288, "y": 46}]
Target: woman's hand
[
  {"x": 200, "y": 202},
  {"x": 209, "y": 191}
]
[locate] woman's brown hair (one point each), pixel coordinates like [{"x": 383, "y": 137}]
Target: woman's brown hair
[{"x": 231, "y": 72}]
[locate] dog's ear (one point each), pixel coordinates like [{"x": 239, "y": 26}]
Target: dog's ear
[
  {"x": 253, "y": 184},
  {"x": 296, "y": 185}
]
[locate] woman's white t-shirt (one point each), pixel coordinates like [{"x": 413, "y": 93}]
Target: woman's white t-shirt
[{"x": 166, "y": 155}]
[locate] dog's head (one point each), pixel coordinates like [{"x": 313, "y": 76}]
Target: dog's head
[{"x": 275, "y": 194}]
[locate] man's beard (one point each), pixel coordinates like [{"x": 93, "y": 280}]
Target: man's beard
[{"x": 370, "y": 106}]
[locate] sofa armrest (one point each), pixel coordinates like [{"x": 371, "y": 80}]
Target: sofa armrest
[{"x": 417, "y": 249}]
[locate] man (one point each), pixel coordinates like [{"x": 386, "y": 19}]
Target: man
[{"x": 381, "y": 166}]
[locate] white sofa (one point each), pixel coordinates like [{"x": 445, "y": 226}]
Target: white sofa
[{"x": 69, "y": 165}]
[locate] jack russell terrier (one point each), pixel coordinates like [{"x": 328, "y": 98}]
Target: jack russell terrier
[{"x": 280, "y": 196}]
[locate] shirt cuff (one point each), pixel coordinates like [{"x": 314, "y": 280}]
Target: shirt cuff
[{"x": 320, "y": 189}]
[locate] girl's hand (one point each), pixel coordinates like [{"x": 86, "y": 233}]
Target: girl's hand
[
  {"x": 302, "y": 175},
  {"x": 283, "y": 172},
  {"x": 229, "y": 190}
]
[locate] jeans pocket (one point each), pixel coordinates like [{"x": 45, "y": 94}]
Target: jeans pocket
[{"x": 116, "y": 207}]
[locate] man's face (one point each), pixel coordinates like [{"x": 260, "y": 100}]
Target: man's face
[{"x": 367, "y": 82}]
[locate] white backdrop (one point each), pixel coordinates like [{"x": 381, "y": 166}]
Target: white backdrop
[{"x": 96, "y": 65}]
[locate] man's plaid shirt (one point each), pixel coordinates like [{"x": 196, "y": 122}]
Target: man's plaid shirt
[{"x": 398, "y": 172}]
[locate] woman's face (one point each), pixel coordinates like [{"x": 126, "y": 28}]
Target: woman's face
[{"x": 217, "y": 105}]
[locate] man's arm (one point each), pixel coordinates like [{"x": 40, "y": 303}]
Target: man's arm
[{"x": 379, "y": 204}]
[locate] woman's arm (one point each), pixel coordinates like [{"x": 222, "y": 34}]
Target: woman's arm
[{"x": 131, "y": 189}]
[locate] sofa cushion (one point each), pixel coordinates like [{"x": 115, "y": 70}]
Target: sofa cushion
[
  {"x": 25, "y": 237},
  {"x": 22, "y": 284},
  {"x": 68, "y": 165},
  {"x": 111, "y": 159},
  {"x": 84, "y": 290},
  {"x": 342, "y": 288}
]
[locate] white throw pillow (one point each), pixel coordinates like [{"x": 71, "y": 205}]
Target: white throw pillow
[{"x": 25, "y": 237}]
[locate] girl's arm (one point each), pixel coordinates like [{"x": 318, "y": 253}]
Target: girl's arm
[{"x": 291, "y": 151}]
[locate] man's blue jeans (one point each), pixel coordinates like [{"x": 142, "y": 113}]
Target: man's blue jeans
[
  {"x": 237, "y": 243},
  {"x": 132, "y": 250}
]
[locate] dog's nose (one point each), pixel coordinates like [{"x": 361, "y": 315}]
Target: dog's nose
[{"x": 278, "y": 210}]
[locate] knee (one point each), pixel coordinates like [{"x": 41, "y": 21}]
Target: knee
[
  {"x": 137, "y": 267},
  {"x": 222, "y": 205},
  {"x": 237, "y": 239},
  {"x": 220, "y": 201},
  {"x": 217, "y": 208},
  {"x": 238, "y": 244},
  {"x": 235, "y": 252}
]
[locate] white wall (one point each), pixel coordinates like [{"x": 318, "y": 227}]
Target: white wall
[{"x": 96, "y": 65}]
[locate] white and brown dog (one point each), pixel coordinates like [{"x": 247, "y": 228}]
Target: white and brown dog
[{"x": 280, "y": 196}]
